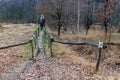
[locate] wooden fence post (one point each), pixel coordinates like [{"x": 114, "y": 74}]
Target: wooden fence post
[
  {"x": 51, "y": 41},
  {"x": 98, "y": 59},
  {"x": 38, "y": 30},
  {"x": 31, "y": 41},
  {"x": 36, "y": 34},
  {"x": 100, "y": 46},
  {"x": 48, "y": 42},
  {"x": 34, "y": 38}
]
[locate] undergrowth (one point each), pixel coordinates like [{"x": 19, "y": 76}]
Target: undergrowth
[{"x": 27, "y": 51}]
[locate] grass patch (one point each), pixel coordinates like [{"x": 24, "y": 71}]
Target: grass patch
[
  {"x": 26, "y": 54},
  {"x": 45, "y": 42},
  {"x": 48, "y": 30},
  {"x": 115, "y": 37},
  {"x": 27, "y": 51},
  {"x": 28, "y": 24},
  {"x": 62, "y": 53}
]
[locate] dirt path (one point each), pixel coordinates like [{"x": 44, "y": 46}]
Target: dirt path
[{"x": 39, "y": 69}]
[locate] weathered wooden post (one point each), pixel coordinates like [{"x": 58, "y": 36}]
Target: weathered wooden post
[
  {"x": 31, "y": 41},
  {"x": 33, "y": 35},
  {"x": 38, "y": 30},
  {"x": 44, "y": 31},
  {"x": 100, "y": 46},
  {"x": 48, "y": 41},
  {"x": 51, "y": 41},
  {"x": 36, "y": 38},
  {"x": 36, "y": 34}
]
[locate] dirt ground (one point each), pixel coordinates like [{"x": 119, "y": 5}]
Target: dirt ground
[
  {"x": 74, "y": 63},
  {"x": 69, "y": 62},
  {"x": 84, "y": 58},
  {"x": 81, "y": 65},
  {"x": 11, "y": 58}
]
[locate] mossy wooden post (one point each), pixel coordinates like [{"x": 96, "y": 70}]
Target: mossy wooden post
[
  {"x": 44, "y": 34},
  {"x": 36, "y": 34},
  {"x": 51, "y": 41},
  {"x": 38, "y": 30},
  {"x": 48, "y": 41},
  {"x": 100, "y": 46},
  {"x": 36, "y": 38},
  {"x": 33, "y": 35},
  {"x": 31, "y": 41}
]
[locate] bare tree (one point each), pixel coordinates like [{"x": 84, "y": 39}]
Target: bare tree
[
  {"x": 88, "y": 15},
  {"x": 59, "y": 12},
  {"x": 17, "y": 10},
  {"x": 107, "y": 12}
]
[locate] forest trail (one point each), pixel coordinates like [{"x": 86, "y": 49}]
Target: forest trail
[
  {"x": 45, "y": 68},
  {"x": 39, "y": 69}
]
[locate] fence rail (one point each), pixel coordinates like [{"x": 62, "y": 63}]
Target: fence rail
[
  {"x": 14, "y": 45},
  {"x": 77, "y": 43},
  {"x": 112, "y": 43}
]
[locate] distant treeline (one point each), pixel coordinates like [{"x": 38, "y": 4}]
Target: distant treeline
[
  {"x": 61, "y": 12},
  {"x": 18, "y": 10}
]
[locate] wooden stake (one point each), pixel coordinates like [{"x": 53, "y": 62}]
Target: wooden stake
[
  {"x": 51, "y": 41},
  {"x": 98, "y": 59},
  {"x": 31, "y": 41}
]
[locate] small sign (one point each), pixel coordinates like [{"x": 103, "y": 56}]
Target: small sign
[{"x": 100, "y": 44}]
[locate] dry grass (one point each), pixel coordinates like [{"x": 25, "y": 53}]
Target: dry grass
[
  {"x": 93, "y": 36},
  {"x": 15, "y": 33},
  {"x": 87, "y": 56},
  {"x": 87, "y": 61},
  {"x": 12, "y": 34}
]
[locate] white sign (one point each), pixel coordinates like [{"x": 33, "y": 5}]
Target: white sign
[{"x": 100, "y": 44}]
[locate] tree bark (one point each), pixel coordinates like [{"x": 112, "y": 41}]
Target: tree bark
[
  {"x": 78, "y": 17},
  {"x": 59, "y": 30}
]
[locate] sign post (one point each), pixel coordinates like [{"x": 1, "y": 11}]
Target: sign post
[{"x": 100, "y": 46}]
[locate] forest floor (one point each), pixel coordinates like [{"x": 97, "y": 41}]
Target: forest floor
[
  {"x": 81, "y": 60},
  {"x": 69, "y": 62},
  {"x": 74, "y": 63},
  {"x": 13, "y": 60}
]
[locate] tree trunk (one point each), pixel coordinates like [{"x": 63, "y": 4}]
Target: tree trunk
[
  {"x": 87, "y": 28},
  {"x": 59, "y": 28},
  {"x": 110, "y": 35},
  {"x": 78, "y": 18},
  {"x": 106, "y": 30},
  {"x": 86, "y": 32}
]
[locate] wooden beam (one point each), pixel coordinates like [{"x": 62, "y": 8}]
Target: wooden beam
[
  {"x": 112, "y": 43},
  {"x": 98, "y": 59},
  {"x": 77, "y": 43},
  {"x": 14, "y": 45}
]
